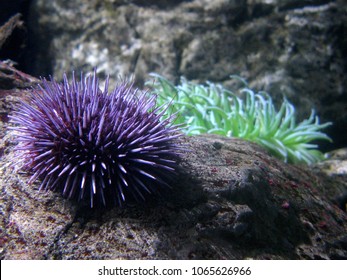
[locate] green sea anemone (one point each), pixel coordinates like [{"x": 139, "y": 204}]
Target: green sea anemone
[{"x": 211, "y": 108}]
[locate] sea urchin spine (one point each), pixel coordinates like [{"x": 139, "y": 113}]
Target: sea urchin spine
[{"x": 94, "y": 144}]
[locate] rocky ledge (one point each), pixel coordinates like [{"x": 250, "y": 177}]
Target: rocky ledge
[{"x": 230, "y": 200}]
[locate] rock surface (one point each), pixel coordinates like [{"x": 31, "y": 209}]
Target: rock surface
[
  {"x": 288, "y": 47},
  {"x": 230, "y": 200}
]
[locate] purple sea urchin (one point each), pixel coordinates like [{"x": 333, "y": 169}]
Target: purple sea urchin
[{"x": 88, "y": 142}]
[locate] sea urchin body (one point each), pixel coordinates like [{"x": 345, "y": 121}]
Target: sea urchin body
[{"x": 94, "y": 144}]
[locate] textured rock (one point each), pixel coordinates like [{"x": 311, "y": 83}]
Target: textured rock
[
  {"x": 230, "y": 200},
  {"x": 226, "y": 206}
]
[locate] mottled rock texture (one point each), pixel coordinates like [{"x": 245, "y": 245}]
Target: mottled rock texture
[
  {"x": 230, "y": 200},
  {"x": 288, "y": 47}
]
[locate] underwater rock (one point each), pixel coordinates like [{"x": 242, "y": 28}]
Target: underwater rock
[{"x": 229, "y": 200}]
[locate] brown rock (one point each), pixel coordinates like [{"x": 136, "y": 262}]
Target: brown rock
[{"x": 230, "y": 200}]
